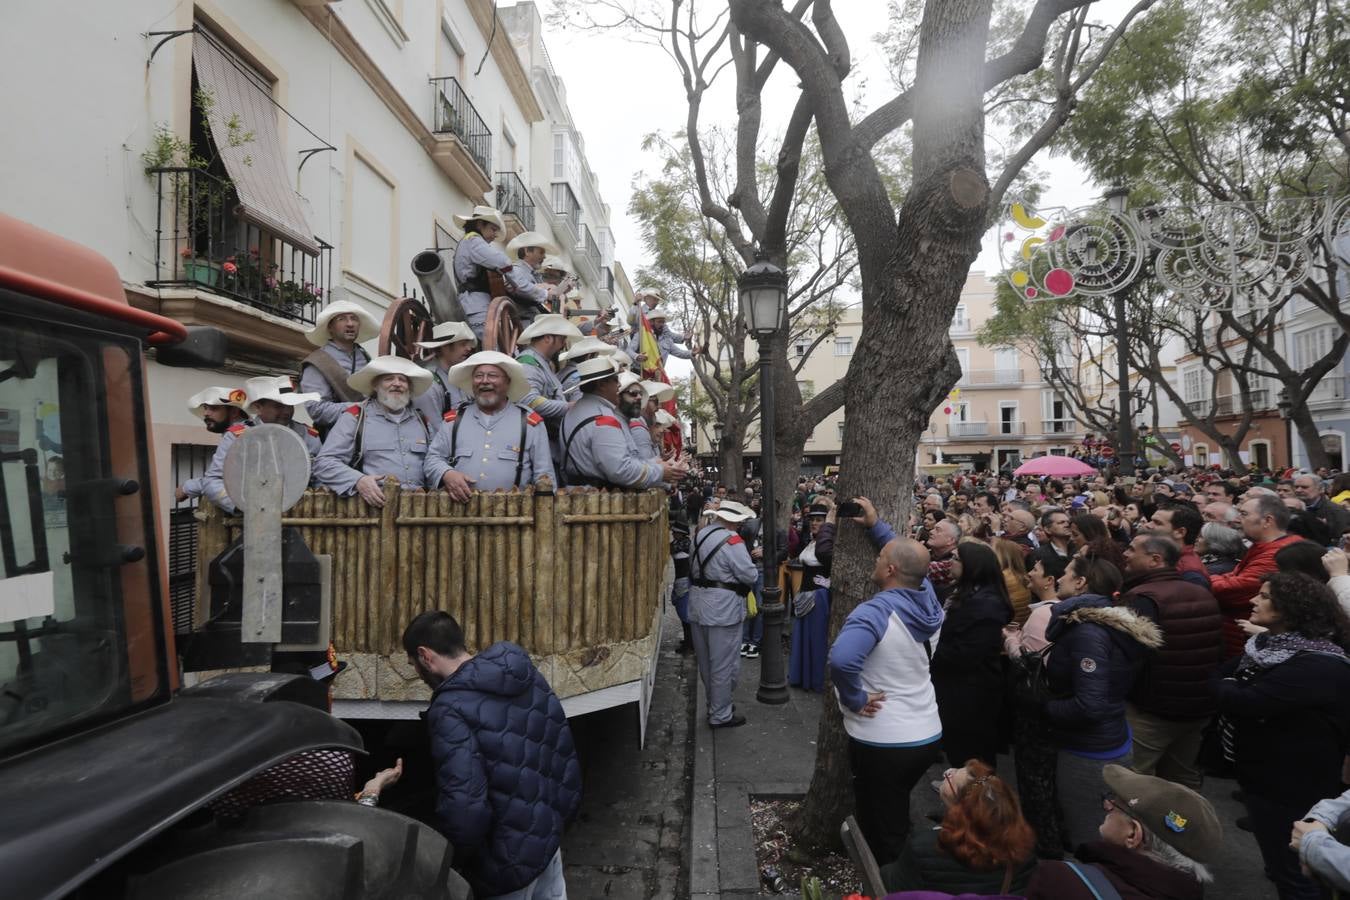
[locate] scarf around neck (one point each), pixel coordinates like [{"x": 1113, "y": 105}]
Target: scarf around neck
[{"x": 1266, "y": 650}]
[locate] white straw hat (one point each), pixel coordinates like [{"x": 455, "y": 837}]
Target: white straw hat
[
  {"x": 664, "y": 418},
  {"x": 318, "y": 335},
  {"x": 461, "y": 375},
  {"x": 733, "y": 511},
  {"x": 586, "y": 346},
  {"x": 531, "y": 239},
  {"x": 597, "y": 368},
  {"x": 657, "y": 312},
  {"x": 553, "y": 262},
  {"x": 278, "y": 389},
  {"x": 483, "y": 213},
  {"x": 547, "y": 324},
  {"x": 216, "y": 396},
  {"x": 658, "y": 389},
  {"x": 627, "y": 380},
  {"x": 364, "y": 380},
  {"x": 448, "y": 333}
]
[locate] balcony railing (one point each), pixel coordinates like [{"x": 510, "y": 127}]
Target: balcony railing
[
  {"x": 967, "y": 429},
  {"x": 1058, "y": 426},
  {"x": 455, "y": 114},
  {"x": 566, "y": 208},
  {"x": 592, "y": 249},
  {"x": 201, "y": 242},
  {"x": 607, "y": 279},
  {"x": 1015, "y": 427},
  {"x": 991, "y": 376},
  {"x": 1331, "y": 387},
  {"x": 1230, "y": 404},
  {"x": 513, "y": 198}
]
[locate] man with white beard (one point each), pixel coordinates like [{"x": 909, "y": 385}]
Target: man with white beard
[
  {"x": 496, "y": 443},
  {"x": 379, "y": 437}
]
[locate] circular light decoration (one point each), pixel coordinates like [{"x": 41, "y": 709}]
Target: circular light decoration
[{"x": 1059, "y": 282}]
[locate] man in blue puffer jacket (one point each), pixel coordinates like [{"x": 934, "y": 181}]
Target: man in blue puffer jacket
[{"x": 507, "y": 772}]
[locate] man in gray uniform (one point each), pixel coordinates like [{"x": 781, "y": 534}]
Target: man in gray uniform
[
  {"x": 337, "y": 332},
  {"x": 272, "y": 400},
  {"x": 219, "y": 408},
  {"x": 631, "y": 400},
  {"x": 378, "y": 437},
  {"x": 597, "y": 448},
  {"x": 528, "y": 251},
  {"x": 450, "y": 344},
  {"x": 576, "y": 354},
  {"x": 495, "y": 442},
  {"x": 546, "y": 337},
  {"x": 722, "y": 573},
  {"x": 476, "y": 256},
  {"x": 667, "y": 340}
]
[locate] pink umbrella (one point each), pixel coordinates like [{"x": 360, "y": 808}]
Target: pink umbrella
[{"x": 1061, "y": 466}]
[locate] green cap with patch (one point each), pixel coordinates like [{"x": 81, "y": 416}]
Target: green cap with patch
[{"x": 1176, "y": 814}]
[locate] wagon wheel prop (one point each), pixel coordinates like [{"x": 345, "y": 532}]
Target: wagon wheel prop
[
  {"x": 405, "y": 323},
  {"x": 503, "y": 326}
]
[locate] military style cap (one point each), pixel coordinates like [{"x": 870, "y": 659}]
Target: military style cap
[{"x": 1176, "y": 814}]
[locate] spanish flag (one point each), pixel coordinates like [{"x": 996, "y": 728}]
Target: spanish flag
[{"x": 652, "y": 370}]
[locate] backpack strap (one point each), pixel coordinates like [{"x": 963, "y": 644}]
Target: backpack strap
[
  {"x": 1095, "y": 880},
  {"x": 354, "y": 462}
]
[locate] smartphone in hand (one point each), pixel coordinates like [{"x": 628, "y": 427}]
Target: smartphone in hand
[{"x": 849, "y": 509}]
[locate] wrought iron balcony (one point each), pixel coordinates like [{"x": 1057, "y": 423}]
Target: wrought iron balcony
[
  {"x": 1058, "y": 426},
  {"x": 991, "y": 377},
  {"x": 513, "y": 199},
  {"x": 1331, "y": 387},
  {"x": 590, "y": 251},
  {"x": 607, "y": 279},
  {"x": 566, "y": 209},
  {"x": 201, "y": 242},
  {"x": 1230, "y": 404},
  {"x": 455, "y": 114}
]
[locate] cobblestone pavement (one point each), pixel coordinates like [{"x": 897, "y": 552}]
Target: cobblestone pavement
[{"x": 631, "y": 838}]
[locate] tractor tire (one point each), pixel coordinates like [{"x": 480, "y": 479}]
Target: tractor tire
[{"x": 307, "y": 850}]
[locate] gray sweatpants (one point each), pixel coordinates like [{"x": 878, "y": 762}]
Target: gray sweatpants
[{"x": 718, "y": 651}]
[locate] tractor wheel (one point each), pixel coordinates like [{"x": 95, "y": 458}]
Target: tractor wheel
[{"x": 319, "y": 849}]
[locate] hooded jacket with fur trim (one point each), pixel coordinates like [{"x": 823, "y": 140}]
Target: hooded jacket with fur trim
[{"x": 1098, "y": 651}]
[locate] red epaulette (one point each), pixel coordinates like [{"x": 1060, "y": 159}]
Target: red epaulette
[
  {"x": 355, "y": 409},
  {"x": 313, "y": 432},
  {"x": 534, "y": 419},
  {"x": 608, "y": 420},
  {"x": 450, "y": 416},
  {"x": 735, "y": 539},
  {"x": 637, "y": 423},
  {"x": 235, "y": 429}
]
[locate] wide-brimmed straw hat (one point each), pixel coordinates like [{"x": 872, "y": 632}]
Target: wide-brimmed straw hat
[
  {"x": 531, "y": 239},
  {"x": 278, "y": 389},
  {"x": 318, "y": 335},
  {"x": 549, "y": 324},
  {"x": 448, "y": 333},
  {"x": 658, "y": 389},
  {"x": 628, "y": 379},
  {"x": 216, "y": 396},
  {"x": 657, "y": 312},
  {"x": 483, "y": 214},
  {"x": 364, "y": 380},
  {"x": 733, "y": 511},
  {"x": 554, "y": 263},
  {"x": 665, "y": 419},
  {"x": 461, "y": 375},
  {"x": 597, "y": 368},
  {"x": 586, "y": 346}
]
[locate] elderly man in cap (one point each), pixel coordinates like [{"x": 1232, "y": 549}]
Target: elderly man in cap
[
  {"x": 1157, "y": 840},
  {"x": 543, "y": 341},
  {"x": 476, "y": 257},
  {"x": 450, "y": 344},
  {"x": 668, "y": 341},
  {"x": 597, "y": 448},
  {"x": 272, "y": 399},
  {"x": 495, "y": 443},
  {"x": 721, "y": 573},
  {"x": 337, "y": 332},
  {"x": 530, "y": 248},
  {"x": 379, "y": 437},
  {"x": 577, "y": 353},
  {"x": 221, "y": 409}
]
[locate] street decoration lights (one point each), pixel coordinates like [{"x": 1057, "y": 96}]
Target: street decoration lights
[{"x": 763, "y": 296}]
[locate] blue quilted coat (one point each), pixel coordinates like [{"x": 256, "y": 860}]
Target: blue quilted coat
[{"x": 507, "y": 771}]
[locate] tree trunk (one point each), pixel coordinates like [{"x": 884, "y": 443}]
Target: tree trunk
[{"x": 1311, "y": 438}]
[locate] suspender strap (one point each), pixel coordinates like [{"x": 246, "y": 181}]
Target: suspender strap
[
  {"x": 1095, "y": 880},
  {"x": 704, "y": 561},
  {"x": 445, "y": 391},
  {"x": 454, "y": 429},
  {"x": 355, "y": 461},
  {"x": 567, "y": 444}
]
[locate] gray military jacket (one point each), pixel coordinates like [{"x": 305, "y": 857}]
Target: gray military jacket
[
  {"x": 441, "y": 397},
  {"x": 391, "y": 445},
  {"x": 642, "y": 439},
  {"x": 721, "y": 577},
  {"x": 324, "y": 412},
  {"x": 488, "y": 448},
  {"x": 667, "y": 340},
  {"x": 212, "y": 482},
  {"x": 598, "y": 450},
  {"x": 546, "y": 395}
]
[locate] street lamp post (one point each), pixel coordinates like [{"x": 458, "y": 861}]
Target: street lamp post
[
  {"x": 717, "y": 449},
  {"x": 1116, "y": 200},
  {"x": 1286, "y": 408},
  {"x": 763, "y": 295}
]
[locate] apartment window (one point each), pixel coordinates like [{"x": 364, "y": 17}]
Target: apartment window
[
  {"x": 1260, "y": 454},
  {"x": 508, "y": 145},
  {"x": 373, "y": 220},
  {"x": 559, "y": 156},
  {"x": 959, "y": 320},
  {"x": 841, "y": 432},
  {"x": 1194, "y": 385},
  {"x": 442, "y": 239},
  {"x": 1310, "y": 346},
  {"x": 451, "y": 52},
  {"x": 808, "y": 388},
  {"x": 799, "y": 348},
  {"x": 1058, "y": 451},
  {"x": 963, "y": 355},
  {"x": 843, "y": 346},
  {"x": 1007, "y": 417},
  {"x": 960, "y": 411},
  {"x": 1005, "y": 366},
  {"x": 1201, "y": 455}
]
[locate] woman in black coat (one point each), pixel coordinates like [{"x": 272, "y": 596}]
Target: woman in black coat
[
  {"x": 1284, "y": 710},
  {"x": 967, "y": 668}
]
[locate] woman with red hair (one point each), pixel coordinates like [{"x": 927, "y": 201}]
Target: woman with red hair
[{"x": 983, "y": 846}]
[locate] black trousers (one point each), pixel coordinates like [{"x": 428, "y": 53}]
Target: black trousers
[{"x": 882, "y": 780}]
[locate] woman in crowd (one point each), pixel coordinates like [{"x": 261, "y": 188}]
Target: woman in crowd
[
  {"x": 811, "y": 604},
  {"x": 1285, "y": 715},
  {"x": 1013, "y": 561},
  {"x": 1092, "y": 539},
  {"x": 966, "y": 667},
  {"x": 1099, "y": 648},
  {"x": 983, "y": 846},
  {"x": 1220, "y": 548},
  {"x": 1132, "y": 516}
]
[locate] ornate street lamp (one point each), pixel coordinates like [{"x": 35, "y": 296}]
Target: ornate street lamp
[
  {"x": 763, "y": 291},
  {"x": 1286, "y": 407}
]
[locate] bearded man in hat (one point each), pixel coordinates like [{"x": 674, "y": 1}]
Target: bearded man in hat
[
  {"x": 544, "y": 340},
  {"x": 221, "y": 409},
  {"x": 667, "y": 340},
  {"x": 450, "y": 344},
  {"x": 579, "y": 352},
  {"x": 631, "y": 401},
  {"x": 1157, "y": 839},
  {"x": 272, "y": 399},
  {"x": 721, "y": 573},
  {"x": 477, "y": 255},
  {"x": 598, "y": 450},
  {"x": 337, "y": 332},
  {"x": 495, "y": 443},
  {"x": 381, "y": 436}
]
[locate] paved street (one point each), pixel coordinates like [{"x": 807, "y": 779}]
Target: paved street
[{"x": 631, "y": 835}]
